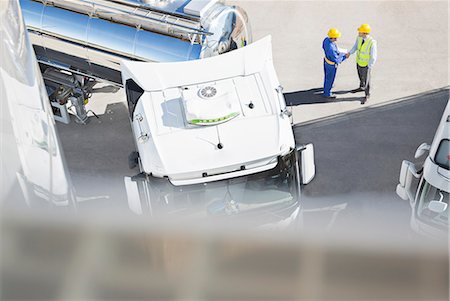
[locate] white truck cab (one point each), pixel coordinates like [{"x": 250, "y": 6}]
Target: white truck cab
[
  {"x": 215, "y": 131},
  {"x": 430, "y": 198}
]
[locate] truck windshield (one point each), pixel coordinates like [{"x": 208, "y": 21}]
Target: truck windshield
[
  {"x": 269, "y": 191},
  {"x": 427, "y": 194},
  {"x": 442, "y": 157}
]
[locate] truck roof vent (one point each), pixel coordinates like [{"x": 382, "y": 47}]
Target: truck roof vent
[{"x": 208, "y": 92}]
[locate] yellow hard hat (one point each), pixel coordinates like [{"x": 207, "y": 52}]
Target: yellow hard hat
[
  {"x": 334, "y": 33},
  {"x": 365, "y": 28}
]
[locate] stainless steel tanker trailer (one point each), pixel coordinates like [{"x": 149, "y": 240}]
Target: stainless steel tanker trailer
[{"x": 79, "y": 43}]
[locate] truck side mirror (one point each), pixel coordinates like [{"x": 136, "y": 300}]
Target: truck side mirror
[
  {"x": 408, "y": 172},
  {"x": 308, "y": 167},
  {"x": 437, "y": 206},
  {"x": 421, "y": 150},
  {"x": 134, "y": 200}
]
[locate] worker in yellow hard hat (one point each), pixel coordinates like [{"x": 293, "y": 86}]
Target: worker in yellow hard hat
[
  {"x": 366, "y": 56},
  {"x": 331, "y": 60}
]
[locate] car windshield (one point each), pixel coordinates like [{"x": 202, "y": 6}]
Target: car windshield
[
  {"x": 427, "y": 194},
  {"x": 269, "y": 191}
]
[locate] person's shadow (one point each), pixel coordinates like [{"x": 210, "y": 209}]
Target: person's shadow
[{"x": 313, "y": 96}]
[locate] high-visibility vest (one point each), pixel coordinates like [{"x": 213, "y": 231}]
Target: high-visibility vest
[{"x": 363, "y": 52}]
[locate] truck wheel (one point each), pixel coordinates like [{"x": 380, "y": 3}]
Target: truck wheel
[{"x": 133, "y": 158}]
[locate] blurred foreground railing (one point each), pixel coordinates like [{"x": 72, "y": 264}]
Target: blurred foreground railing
[{"x": 63, "y": 258}]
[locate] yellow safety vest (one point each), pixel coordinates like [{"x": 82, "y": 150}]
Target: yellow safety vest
[{"x": 363, "y": 52}]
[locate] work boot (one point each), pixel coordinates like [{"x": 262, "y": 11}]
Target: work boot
[
  {"x": 332, "y": 96},
  {"x": 357, "y": 90},
  {"x": 365, "y": 99}
]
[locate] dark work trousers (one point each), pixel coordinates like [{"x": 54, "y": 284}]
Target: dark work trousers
[{"x": 364, "y": 77}]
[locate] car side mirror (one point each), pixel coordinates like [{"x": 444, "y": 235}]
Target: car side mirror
[
  {"x": 421, "y": 150},
  {"x": 307, "y": 167}
]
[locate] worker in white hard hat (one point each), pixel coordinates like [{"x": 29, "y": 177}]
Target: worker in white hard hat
[{"x": 366, "y": 56}]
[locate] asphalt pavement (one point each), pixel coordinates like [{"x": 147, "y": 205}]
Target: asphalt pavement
[
  {"x": 358, "y": 158},
  {"x": 97, "y": 156}
]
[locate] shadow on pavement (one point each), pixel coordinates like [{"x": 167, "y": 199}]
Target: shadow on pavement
[
  {"x": 314, "y": 96},
  {"x": 342, "y": 92}
]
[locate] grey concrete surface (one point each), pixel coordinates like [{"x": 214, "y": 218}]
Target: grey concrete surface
[{"x": 412, "y": 40}]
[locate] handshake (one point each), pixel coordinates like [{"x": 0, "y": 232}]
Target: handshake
[{"x": 347, "y": 55}]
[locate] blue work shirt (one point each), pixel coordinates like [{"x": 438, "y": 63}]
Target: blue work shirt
[{"x": 332, "y": 52}]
